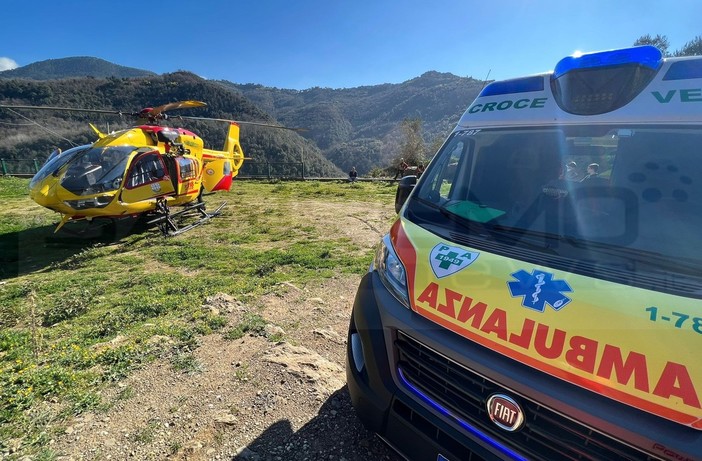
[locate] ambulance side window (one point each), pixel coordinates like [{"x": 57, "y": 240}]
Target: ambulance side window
[{"x": 445, "y": 177}]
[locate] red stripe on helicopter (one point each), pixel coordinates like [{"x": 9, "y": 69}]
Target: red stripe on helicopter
[{"x": 224, "y": 184}]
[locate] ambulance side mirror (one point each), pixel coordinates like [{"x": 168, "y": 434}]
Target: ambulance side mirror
[{"x": 404, "y": 188}]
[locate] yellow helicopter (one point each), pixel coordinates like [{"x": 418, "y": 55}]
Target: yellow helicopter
[{"x": 140, "y": 171}]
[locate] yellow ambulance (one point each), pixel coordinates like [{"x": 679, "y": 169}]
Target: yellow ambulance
[{"x": 539, "y": 296}]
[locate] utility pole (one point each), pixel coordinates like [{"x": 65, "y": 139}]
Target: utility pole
[{"x": 302, "y": 160}]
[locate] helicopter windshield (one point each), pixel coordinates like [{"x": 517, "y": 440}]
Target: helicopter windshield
[
  {"x": 55, "y": 162},
  {"x": 97, "y": 170}
]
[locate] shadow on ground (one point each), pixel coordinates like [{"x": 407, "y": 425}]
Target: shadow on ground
[
  {"x": 335, "y": 433},
  {"x": 39, "y": 248}
]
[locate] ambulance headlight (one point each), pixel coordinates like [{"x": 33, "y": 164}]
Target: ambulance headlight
[{"x": 391, "y": 271}]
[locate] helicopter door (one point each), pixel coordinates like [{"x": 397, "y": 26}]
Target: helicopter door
[
  {"x": 218, "y": 175},
  {"x": 172, "y": 169},
  {"x": 187, "y": 176},
  {"x": 147, "y": 179}
]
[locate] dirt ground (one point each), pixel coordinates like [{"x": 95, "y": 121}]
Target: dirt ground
[{"x": 250, "y": 398}]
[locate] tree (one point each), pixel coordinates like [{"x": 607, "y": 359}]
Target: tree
[
  {"x": 436, "y": 144},
  {"x": 361, "y": 153},
  {"x": 659, "y": 41},
  {"x": 413, "y": 149},
  {"x": 691, "y": 48}
]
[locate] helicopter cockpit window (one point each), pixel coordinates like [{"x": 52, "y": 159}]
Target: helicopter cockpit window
[
  {"x": 147, "y": 169},
  {"x": 55, "y": 162},
  {"x": 96, "y": 170}
]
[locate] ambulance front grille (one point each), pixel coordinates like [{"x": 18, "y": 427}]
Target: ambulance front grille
[{"x": 546, "y": 435}]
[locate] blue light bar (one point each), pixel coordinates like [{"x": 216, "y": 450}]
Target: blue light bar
[
  {"x": 505, "y": 450},
  {"x": 646, "y": 55},
  {"x": 517, "y": 85}
]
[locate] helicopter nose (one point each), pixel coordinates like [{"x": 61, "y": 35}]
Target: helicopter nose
[{"x": 42, "y": 194}]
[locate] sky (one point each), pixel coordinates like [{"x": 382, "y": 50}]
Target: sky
[{"x": 335, "y": 43}]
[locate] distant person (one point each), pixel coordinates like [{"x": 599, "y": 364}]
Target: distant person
[
  {"x": 571, "y": 171},
  {"x": 353, "y": 174},
  {"x": 593, "y": 172},
  {"x": 401, "y": 168},
  {"x": 420, "y": 170}
]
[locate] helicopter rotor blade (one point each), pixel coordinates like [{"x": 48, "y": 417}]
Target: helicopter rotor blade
[
  {"x": 68, "y": 109},
  {"x": 240, "y": 122},
  {"x": 156, "y": 111}
]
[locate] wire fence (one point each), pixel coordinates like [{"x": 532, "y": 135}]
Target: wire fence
[
  {"x": 269, "y": 170},
  {"x": 19, "y": 167},
  {"x": 249, "y": 170}
]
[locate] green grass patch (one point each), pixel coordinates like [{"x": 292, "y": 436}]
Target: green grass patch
[
  {"x": 185, "y": 362},
  {"x": 79, "y": 314},
  {"x": 251, "y": 323},
  {"x": 11, "y": 187}
]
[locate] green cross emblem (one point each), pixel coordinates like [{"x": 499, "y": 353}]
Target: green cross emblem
[{"x": 448, "y": 259}]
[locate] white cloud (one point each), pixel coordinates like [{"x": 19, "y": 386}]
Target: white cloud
[{"x": 7, "y": 63}]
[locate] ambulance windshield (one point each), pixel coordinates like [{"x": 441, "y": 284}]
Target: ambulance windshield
[{"x": 571, "y": 192}]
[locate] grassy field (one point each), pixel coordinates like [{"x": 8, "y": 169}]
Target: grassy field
[{"x": 77, "y": 314}]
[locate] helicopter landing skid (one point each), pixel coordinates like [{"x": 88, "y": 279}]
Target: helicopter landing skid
[{"x": 168, "y": 225}]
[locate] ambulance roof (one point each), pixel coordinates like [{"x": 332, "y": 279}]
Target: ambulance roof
[{"x": 631, "y": 85}]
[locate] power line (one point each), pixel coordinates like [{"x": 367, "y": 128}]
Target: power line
[
  {"x": 16, "y": 124},
  {"x": 32, "y": 122}
]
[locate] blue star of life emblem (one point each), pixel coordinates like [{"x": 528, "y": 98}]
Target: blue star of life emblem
[{"x": 539, "y": 289}]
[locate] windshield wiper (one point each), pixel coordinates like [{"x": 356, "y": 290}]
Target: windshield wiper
[
  {"x": 538, "y": 241},
  {"x": 638, "y": 255},
  {"x": 474, "y": 227}
]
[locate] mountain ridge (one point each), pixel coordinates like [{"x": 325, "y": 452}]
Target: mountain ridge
[
  {"x": 49, "y": 129},
  {"x": 74, "y": 67},
  {"x": 359, "y": 126}
]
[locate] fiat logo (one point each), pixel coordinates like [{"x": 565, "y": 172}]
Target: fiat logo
[{"x": 505, "y": 412}]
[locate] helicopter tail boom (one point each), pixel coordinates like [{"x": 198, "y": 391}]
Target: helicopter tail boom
[{"x": 220, "y": 167}]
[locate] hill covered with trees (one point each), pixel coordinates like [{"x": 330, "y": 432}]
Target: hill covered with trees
[
  {"x": 80, "y": 66},
  {"x": 368, "y": 127},
  {"x": 372, "y": 126},
  {"x": 363, "y": 126},
  {"x": 360, "y": 127},
  {"x": 28, "y": 134}
]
